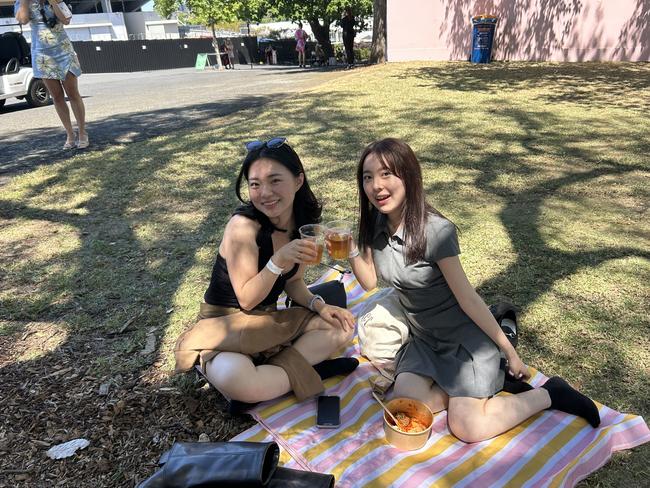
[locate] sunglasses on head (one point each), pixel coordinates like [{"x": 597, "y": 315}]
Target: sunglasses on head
[{"x": 271, "y": 144}]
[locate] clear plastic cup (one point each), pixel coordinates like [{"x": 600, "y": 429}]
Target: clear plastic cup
[
  {"x": 315, "y": 233},
  {"x": 338, "y": 234}
]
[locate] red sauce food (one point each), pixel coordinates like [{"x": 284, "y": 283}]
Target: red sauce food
[{"x": 406, "y": 423}]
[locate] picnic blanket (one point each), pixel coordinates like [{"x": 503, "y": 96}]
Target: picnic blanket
[{"x": 551, "y": 449}]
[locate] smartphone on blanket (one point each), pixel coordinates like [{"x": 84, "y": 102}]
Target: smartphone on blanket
[{"x": 328, "y": 415}]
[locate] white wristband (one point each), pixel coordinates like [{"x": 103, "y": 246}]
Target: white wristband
[
  {"x": 354, "y": 253},
  {"x": 273, "y": 268},
  {"x": 313, "y": 301}
]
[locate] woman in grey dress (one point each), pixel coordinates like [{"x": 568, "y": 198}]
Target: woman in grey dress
[
  {"x": 453, "y": 356},
  {"x": 55, "y": 62}
]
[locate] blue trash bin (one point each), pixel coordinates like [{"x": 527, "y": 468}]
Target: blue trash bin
[{"x": 482, "y": 38}]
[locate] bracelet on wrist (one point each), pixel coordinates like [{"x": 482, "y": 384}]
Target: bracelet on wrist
[
  {"x": 313, "y": 300},
  {"x": 354, "y": 253},
  {"x": 273, "y": 268}
]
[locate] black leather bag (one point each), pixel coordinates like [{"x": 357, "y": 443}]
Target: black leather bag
[
  {"x": 333, "y": 292},
  {"x": 229, "y": 464}
]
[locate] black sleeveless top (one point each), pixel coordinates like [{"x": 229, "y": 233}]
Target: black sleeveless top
[{"x": 220, "y": 292}]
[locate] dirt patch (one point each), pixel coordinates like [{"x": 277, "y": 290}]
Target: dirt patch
[{"x": 130, "y": 419}]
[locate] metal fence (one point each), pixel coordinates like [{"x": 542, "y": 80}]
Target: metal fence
[{"x": 153, "y": 54}]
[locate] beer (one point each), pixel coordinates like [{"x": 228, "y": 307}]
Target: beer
[
  {"x": 314, "y": 233},
  {"x": 319, "y": 256},
  {"x": 338, "y": 243}
]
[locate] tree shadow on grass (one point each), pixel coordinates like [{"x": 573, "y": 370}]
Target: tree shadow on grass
[
  {"x": 137, "y": 219},
  {"x": 143, "y": 215},
  {"x": 33, "y": 148},
  {"x": 601, "y": 85}
]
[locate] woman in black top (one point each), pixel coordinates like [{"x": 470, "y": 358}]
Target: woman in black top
[
  {"x": 347, "y": 24},
  {"x": 249, "y": 350}
]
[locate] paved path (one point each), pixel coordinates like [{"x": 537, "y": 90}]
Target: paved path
[{"x": 128, "y": 107}]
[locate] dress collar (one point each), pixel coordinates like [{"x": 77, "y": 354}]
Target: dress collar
[{"x": 381, "y": 227}]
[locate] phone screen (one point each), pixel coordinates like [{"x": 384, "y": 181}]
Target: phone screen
[{"x": 328, "y": 415}]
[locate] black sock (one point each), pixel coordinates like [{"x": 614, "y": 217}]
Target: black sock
[
  {"x": 514, "y": 386},
  {"x": 567, "y": 399},
  {"x": 333, "y": 367},
  {"x": 235, "y": 407}
]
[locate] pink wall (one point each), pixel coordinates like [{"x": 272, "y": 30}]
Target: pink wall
[{"x": 532, "y": 30}]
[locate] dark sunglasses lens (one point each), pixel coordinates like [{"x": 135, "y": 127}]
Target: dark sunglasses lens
[
  {"x": 276, "y": 142},
  {"x": 254, "y": 145}
]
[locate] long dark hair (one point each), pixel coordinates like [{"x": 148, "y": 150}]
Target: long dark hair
[
  {"x": 306, "y": 207},
  {"x": 399, "y": 159}
]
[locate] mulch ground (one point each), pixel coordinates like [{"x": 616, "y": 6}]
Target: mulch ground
[{"x": 130, "y": 419}]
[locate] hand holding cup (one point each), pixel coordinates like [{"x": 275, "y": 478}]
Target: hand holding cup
[
  {"x": 338, "y": 236},
  {"x": 313, "y": 234}
]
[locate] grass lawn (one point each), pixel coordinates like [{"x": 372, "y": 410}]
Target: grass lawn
[{"x": 543, "y": 167}]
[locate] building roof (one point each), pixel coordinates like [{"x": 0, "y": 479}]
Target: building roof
[{"x": 82, "y": 6}]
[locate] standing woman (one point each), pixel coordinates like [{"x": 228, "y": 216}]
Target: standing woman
[
  {"x": 230, "y": 49},
  {"x": 249, "y": 350},
  {"x": 452, "y": 358},
  {"x": 301, "y": 41},
  {"x": 347, "y": 25},
  {"x": 55, "y": 62}
]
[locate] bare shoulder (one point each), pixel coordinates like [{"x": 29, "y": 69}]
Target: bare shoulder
[
  {"x": 240, "y": 227},
  {"x": 239, "y": 231}
]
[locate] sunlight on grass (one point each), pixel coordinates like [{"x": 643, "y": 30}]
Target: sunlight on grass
[
  {"x": 543, "y": 167},
  {"x": 38, "y": 339}
]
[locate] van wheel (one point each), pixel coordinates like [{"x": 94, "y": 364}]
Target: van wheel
[
  {"x": 2, "y": 103},
  {"x": 37, "y": 95}
]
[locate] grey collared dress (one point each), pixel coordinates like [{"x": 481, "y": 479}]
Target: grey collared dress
[{"x": 444, "y": 343}]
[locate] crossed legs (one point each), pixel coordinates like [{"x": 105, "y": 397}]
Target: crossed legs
[
  {"x": 236, "y": 375},
  {"x": 58, "y": 90}
]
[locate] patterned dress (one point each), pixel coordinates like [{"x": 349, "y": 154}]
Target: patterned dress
[{"x": 52, "y": 53}]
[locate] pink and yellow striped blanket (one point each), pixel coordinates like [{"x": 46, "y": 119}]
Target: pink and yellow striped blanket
[{"x": 552, "y": 449}]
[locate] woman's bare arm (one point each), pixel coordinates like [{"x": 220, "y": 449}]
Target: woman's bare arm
[
  {"x": 474, "y": 306},
  {"x": 22, "y": 14},
  {"x": 363, "y": 268},
  {"x": 239, "y": 249},
  {"x": 59, "y": 14}
]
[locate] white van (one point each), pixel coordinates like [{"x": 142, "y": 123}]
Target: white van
[{"x": 16, "y": 75}]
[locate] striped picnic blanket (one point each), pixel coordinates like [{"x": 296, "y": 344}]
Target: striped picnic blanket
[{"x": 551, "y": 449}]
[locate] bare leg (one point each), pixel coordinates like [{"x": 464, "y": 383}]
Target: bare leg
[
  {"x": 421, "y": 388},
  {"x": 58, "y": 97},
  {"x": 76, "y": 102},
  {"x": 236, "y": 376},
  {"x": 478, "y": 419},
  {"x": 320, "y": 340}
]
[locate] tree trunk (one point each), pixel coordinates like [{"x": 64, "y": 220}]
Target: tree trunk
[
  {"x": 378, "y": 48},
  {"x": 215, "y": 43},
  {"x": 322, "y": 35}
]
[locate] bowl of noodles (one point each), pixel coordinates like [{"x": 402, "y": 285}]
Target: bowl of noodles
[{"x": 414, "y": 420}]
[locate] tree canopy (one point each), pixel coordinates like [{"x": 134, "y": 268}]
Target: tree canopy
[{"x": 318, "y": 13}]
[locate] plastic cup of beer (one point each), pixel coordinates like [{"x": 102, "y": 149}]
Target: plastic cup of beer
[
  {"x": 338, "y": 234},
  {"x": 315, "y": 233}
]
